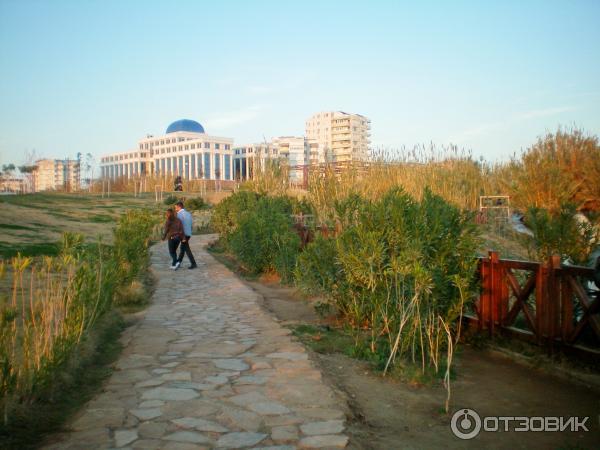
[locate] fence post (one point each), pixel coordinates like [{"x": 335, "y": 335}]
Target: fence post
[
  {"x": 553, "y": 299},
  {"x": 495, "y": 294},
  {"x": 566, "y": 309},
  {"x": 504, "y": 296},
  {"x": 541, "y": 285},
  {"x": 486, "y": 302}
]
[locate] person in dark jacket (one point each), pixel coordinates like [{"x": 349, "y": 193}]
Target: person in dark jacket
[{"x": 173, "y": 233}]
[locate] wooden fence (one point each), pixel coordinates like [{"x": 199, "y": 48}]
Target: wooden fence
[{"x": 557, "y": 305}]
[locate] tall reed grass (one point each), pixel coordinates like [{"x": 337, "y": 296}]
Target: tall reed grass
[{"x": 53, "y": 302}]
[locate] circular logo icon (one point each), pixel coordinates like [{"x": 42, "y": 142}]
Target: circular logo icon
[{"x": 466, "y": 424}]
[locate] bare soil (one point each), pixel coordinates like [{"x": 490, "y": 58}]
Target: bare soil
[{"x": 389, "y": 414}]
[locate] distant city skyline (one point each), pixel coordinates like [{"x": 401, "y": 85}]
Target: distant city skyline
[{"x": 95, "y": 77}]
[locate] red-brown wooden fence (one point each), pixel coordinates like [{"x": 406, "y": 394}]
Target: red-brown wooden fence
[{"x": 559, "y": 312}]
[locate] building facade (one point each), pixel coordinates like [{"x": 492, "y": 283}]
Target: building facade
[
  {"x": 290, "y": 151},
  {"x": 184, "y": 150},
  {"x": 12, "y": 185},
  {"x": 248, "y": 159},
  {"x": 339, "y": 136},
  {"x": 56, "y": 175}
]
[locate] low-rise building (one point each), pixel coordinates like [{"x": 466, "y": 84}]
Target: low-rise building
[
  {"x": 290, "y": 151},
  {"x": 12, "y": 185},
  {"x": 184, "y": 150}
]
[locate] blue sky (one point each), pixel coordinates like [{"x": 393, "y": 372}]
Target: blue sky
[{"x": 96, "y": 76}]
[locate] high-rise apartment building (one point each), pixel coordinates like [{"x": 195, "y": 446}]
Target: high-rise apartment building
[
  {"x": 340, "y": 136},
  {"x": 56, "y": 175}
]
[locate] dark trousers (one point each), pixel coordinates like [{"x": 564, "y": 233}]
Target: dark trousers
[
  {"x": 173, "y": 244},
  {"x": 185, "y": 250}
]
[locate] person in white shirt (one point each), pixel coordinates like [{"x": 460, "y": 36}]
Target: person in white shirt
[{"x": 184, "y": 249}]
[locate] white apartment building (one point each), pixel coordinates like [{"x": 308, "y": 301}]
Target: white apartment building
[
  {"x": 250, "y": 158},
  {"x": 292, "y": 150},
  {"x": 184, "y": 150},
  {"x": 289, "y": 150},
  {"x": 340, "y": 136},
  {"x": 56, "y": 175}
]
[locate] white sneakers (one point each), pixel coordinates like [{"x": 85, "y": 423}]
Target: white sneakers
[{"x": 176, "y": 266}]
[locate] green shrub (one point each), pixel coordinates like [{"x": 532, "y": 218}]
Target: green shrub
[
  {"x": 560, "y": 233},
  {"x": 132, "y": 236},
  {"x": 316, "y": 270},
  {"x": 170, "y": 200},
  {"x": 400, "y": 268},
  {"x": 228, "y": 212},
  {"x": 195, "y": 204},
  {"x": 263, "y": 239}
]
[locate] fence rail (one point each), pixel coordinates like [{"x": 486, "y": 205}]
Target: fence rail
[{"x": 554, "y": 303}]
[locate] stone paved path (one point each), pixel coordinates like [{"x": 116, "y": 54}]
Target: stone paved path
[{"x": 208, "y": 368}]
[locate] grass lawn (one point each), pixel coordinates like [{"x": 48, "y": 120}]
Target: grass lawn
[{"x": 33, "y": 223}]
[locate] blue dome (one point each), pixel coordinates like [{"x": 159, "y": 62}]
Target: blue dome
[{"x": 185, "y": 125}]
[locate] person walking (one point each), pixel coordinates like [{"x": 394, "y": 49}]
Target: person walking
[
  {"x": 173, "y": 233},
  {"x": 186, "y": 220}
]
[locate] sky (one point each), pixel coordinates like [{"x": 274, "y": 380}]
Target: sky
[{"x": 95, "y": 76}]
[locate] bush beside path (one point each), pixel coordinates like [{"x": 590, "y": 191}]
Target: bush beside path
[{"x": 208, "y": 368}]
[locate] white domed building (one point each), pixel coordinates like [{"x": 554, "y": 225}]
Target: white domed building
[{"x": 184, "y": 150}]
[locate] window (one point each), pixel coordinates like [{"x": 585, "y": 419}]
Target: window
[
  {"x": 207, "y": 145},
  {"x": 227, "y": 162},
  {"x": 193, "y": 146},
  {"x": 217, "y": 146},
  {"x": 217, "y": 166},
  {"x": 207, "y": 165},
  {"x": 199, "y": 158}
]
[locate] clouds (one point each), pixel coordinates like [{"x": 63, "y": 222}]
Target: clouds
[
  {"x": 229, "y": 119},
  {"x": 510, "y": 121},
  {"x": 537, "y": 113}
]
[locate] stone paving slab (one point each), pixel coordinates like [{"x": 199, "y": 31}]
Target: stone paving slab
[{"x": 207, "y": 367}]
